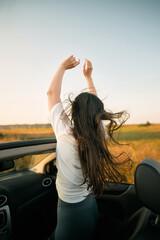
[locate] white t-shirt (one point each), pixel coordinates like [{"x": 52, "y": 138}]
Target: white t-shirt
[{"x": 69, "y": 177}]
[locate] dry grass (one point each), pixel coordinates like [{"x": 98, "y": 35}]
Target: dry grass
[
  {"x": 141, "y": 150},
  {"x": 141, "y": 128},
  {"x": 17, "y": 134},
  {"x": 145, "y": 141},
  {"x": 28, "y": 130}
]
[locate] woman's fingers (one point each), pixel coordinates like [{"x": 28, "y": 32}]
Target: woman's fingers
[
  {"x": 73, "y": 64},
  {"x": 87, "y": 68},
  {"x": 88, "y": 64},
  {"x": 70, "y": 62},
  {"x": 77, "y": 63},
  {"x": 84, "y": 66}
]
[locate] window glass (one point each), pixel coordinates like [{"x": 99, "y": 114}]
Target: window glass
[{"x": 26, "y": 162}]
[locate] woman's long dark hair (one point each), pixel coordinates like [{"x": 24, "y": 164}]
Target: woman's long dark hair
[{"x": 99, "y": 165}]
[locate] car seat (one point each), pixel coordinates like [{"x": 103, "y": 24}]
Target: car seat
[{"x": 147, "y": 185}]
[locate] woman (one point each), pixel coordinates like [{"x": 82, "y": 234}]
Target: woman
[{"x": 84, "y": 161}]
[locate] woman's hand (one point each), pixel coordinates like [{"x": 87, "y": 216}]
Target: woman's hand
[
  {"x": 87, "y": 69},
  {"x": 54, "y": 90},
  {"x": 70, "y": 62}
]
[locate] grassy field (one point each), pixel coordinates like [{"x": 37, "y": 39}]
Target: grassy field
[
  {"x": 143, "y": 140},
  {"x": 15, "y": 134},
  {"x": 140, "y": 150}
]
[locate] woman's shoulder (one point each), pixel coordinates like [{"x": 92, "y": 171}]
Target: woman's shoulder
[{"x": 67, "y": 138}]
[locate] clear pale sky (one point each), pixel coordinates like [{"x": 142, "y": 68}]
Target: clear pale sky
[{"x": 120, "y": 37}]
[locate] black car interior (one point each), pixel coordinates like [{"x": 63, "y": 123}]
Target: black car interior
[
  {"x": 147, "y": 179},
  {"x": 28, "y": 199}
]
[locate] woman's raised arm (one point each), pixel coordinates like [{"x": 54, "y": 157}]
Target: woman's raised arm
[
  {"x": 87, "y": 71},
  {"x": 54, "y": 90}
]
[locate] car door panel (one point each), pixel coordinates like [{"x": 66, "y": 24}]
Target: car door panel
[
  {"x": 116, "y": 205},
  {"x": 27, "y": 198},
  {"x": 31, "y": 197}
]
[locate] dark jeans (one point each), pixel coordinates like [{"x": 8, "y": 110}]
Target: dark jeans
[{"x": 76, "y": 221}]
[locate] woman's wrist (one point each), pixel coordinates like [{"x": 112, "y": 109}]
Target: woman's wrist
[
  {"x": 89, "y": 79},
  {"x": 62, "y": 67}
]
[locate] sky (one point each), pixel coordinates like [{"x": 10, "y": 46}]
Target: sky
[{"x": 121, "y": 38}]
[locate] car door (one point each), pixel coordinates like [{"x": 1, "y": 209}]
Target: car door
[
  {"x": 119, "y": 212},
  {"x": 28, "y": 197}
]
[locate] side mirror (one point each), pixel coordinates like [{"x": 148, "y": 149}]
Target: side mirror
[{"x": 6, "y": 165}]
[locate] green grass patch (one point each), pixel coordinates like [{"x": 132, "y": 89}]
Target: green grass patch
[{"x": 135, "y": 136}]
